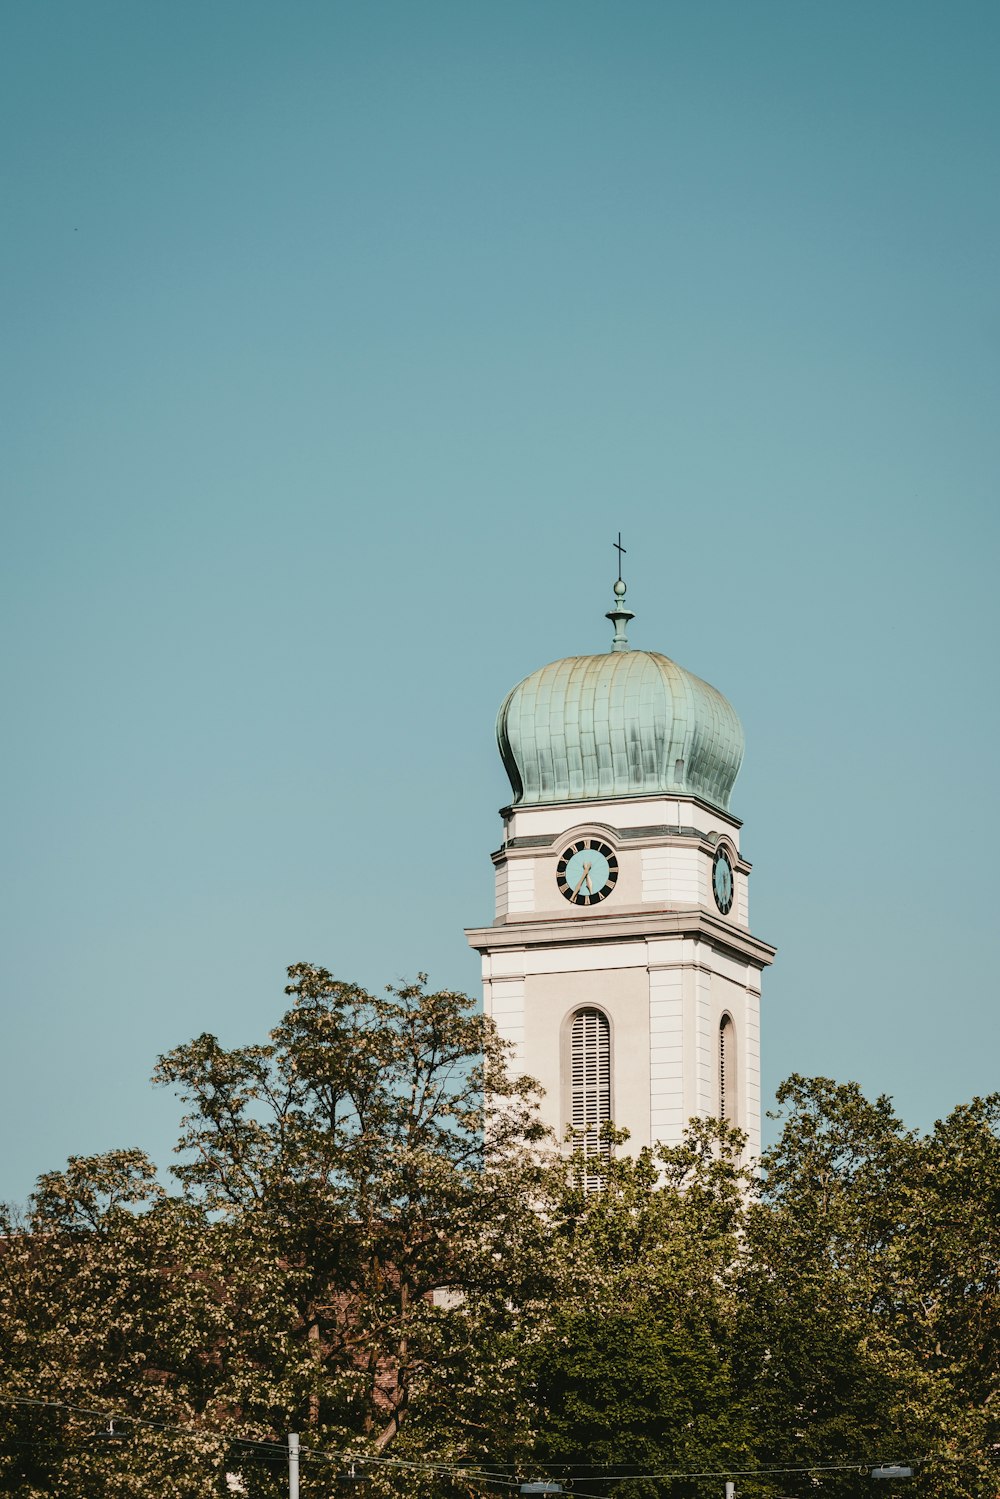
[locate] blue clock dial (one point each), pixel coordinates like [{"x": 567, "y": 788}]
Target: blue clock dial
[
  {"x": 587, "y": 872},
  {"x": 587, "y": 869},
  {"x": 723, "y": 881}
]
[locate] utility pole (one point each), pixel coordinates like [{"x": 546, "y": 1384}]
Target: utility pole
[
  {"x": 730, "y": 1489},
  {"x": 293, "y": 1465}
]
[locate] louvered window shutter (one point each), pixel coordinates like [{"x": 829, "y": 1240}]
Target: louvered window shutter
[
  {"x": 727, "y": 1071},
  {"x": 591, "y": 1091}
]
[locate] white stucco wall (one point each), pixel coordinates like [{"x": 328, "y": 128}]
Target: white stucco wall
[
  {"x": 665, "y": 993},
  {"x": 665, "y": 999},
  {"x": 666, "y": 1055}
]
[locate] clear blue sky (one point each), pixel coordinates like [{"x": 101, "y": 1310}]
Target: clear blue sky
[{"x": 339, "y": 341}]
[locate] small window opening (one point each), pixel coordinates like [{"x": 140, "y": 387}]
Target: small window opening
[
  {"x": 727, "y": 1070},
  {"x": 590, "y": 1054}
]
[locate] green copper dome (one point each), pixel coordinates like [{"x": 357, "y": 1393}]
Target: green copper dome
[{"x": 628, "y": 723}]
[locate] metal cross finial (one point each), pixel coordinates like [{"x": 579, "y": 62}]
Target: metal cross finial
[{"x": 619, "y": 615}]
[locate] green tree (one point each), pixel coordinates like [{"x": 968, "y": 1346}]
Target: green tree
[
  {"x": 367, "y": 1193},
  {"x": 867, "y": 1313},
  {"x": 348, "y": 1208},
  {"x": 942, "y": 1298},
  {"x": 374, "y": 1244},
  {"x": 100, "y": 1312},
  {"x": 624, "y": 1362},
  {"x": 807, "y": 1356}
]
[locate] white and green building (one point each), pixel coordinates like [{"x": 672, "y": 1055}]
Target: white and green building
[{"x": 620, "y": 963}]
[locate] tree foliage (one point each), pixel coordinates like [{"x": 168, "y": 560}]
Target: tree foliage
[{"x": 371, "y": 1242}]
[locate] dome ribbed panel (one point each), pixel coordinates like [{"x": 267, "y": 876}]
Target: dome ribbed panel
[
  {"x": 715, "y": 756},
  {"x": 629, "y": 723}
]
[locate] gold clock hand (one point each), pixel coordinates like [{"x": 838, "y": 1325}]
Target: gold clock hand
[{"x": 579, "y": 883}]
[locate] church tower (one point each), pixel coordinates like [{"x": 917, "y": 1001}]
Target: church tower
[{"x": 620, "y": 963}]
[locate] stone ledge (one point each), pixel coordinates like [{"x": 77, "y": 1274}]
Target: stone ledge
[{"x": 692, "y": 921}]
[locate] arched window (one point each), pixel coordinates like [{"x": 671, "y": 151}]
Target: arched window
[
  {"x": 590, "y": 1090},
  {"x": 727, "y": 1070}
]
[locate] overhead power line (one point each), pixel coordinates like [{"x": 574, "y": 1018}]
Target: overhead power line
[{"x": 471, "y": 1471}]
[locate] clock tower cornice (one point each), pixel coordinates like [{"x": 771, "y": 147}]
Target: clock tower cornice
[
  {"x": 649, "y": 837},
  {"x": 660, "y": 797},
  {"x": 594, "y": 929}
]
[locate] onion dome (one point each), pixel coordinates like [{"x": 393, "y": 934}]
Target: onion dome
[{"x": 626, "y": 723}]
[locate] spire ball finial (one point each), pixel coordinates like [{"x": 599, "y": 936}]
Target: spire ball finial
[{"x": 619, "y": 615}]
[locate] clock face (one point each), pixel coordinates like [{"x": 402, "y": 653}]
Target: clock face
[
  {"x": 723, "y": 884},
  {"x": 587, "y": 872}
]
